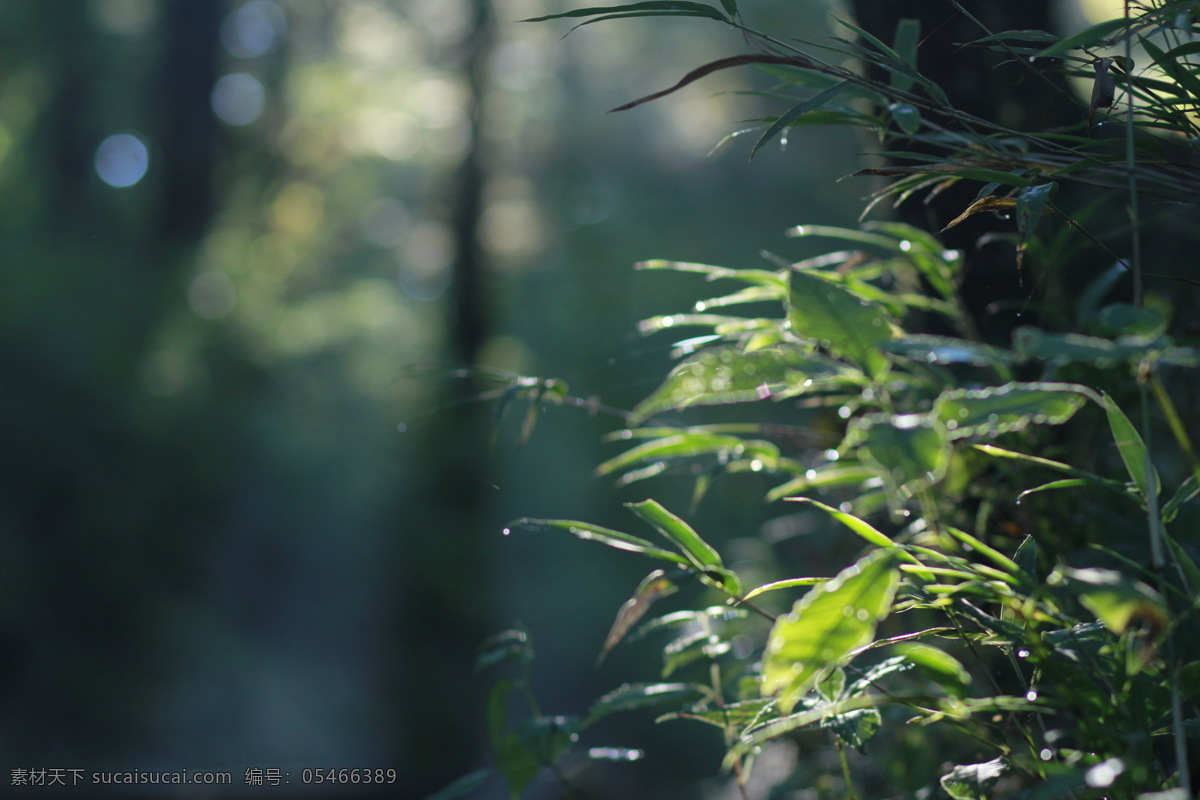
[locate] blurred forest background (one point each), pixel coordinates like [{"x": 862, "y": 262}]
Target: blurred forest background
[{"x": 248, "y": 516}]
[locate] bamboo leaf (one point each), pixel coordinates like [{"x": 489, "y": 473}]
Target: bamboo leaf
[
  {"x": 724, "y": 375},
  {"x": 839, "y": 321},
  {"x": 1035, "y": 343},
  {"x": 948, "y": 350},
  {"x": 1011, "y": 407},
  {"x": 697, "y": 551},
  {"x": 630, "y": 697},
  {"x": 826, "y": 626},
  {"x": 908, "y": 37},
  {"x": 589, "y": 532},
  {"x": 652, "y": 8},
  {"x": 797, "y": 111},
  {"x": 1094, "y": 36},
  {"x": 710, "y": 68},
  {"x": 790, "y": 583},
  {"x": 1132, "y": 449},
  {"x": 972, "y": 781}
]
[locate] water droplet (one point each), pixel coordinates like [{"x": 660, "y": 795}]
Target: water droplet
[
  {"x": 1031, "y": 695},
  {"x": 906, "y": 245},
  {"x": 810, "y": 474},
  {"x": 1045, "y": 754},
  {"x": 701, "y": 306},
  {"x": 1022, "y": 654},
  {"x": 506, "y": 531},
  {"x": 756, "y": 465},
  {"x": 844, "y": 412}
]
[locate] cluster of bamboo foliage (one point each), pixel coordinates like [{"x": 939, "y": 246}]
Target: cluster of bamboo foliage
[{"x": 1041, "y": 654}]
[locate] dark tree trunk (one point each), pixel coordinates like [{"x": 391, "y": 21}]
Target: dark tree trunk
[{"x": 187, "y": 136}]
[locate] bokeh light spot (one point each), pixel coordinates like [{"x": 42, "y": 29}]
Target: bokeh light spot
[
  {"x": 212, "y": 295},
  {"x": 238, "y": 98},
  {"x": 124, "y": 17},
  {"x": 253, "y": 30},
  {"x": 122, "y": 160}
]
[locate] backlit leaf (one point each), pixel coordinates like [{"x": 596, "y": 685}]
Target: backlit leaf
[
  {"x": 724, "y": 375},
  {"x": 1074, "y": 347},
  {"x": 909, "y": 452},
  {"x": 838, "y": 320},
  {"x": 589, "y": 532},
  {"x": 1011, "y": 407},
  {"x": 972, "y": 781},
  {"x": 827, "y": 625},
  {"x": 797, "y": 111},
  {"x": 1116, "y": 600},
  {"x": 697, "y": 551},
  {"x": 630, "y": 697},
  {"x": 657, "y": 7},
  {"x": 1132, "y": 449}
]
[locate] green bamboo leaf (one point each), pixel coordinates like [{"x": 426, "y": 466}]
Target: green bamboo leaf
[
  {"x": 979, "y": 546},
  {"x": 789, "y": 583},
  {"x": 517, "y": 762},
  {"x": 1027, "y": 35},
  {"x": 855, "y": 728},
  {"x": 972, "y": 781},
  {"x": 724, "y": 375},
  {"x": 1033, "y": 343},
  {"x": 1096, "y": 35},
  {"x": 512, "y": 643},
  {"x": 759, "y": 277},
  {"x": 653, "y": 8},
  {"x": 823, "y": 312},
  {"x": 758, "y": 735},
  {"x": 941, "y": 667},
  {"x": 1123, "y": 319},
  {"x": 697, "y": 551},
  {"x": 909, "y": 452},
  {"x": 1116, "y": 600},
  {"x": 1132, "y": 449},
  {"x": 1011, "y": 407},
  {"x": 1187, "y": 491},
  {"x": 906, "y": 116},
  {"x": 595, "y": 533},
  {"x": 831, "y": 475},
  {"x": 729, "y": 717},
  {"x": 690, "y": 648},
  {"x": 799, "y": 110},
  {"x": 630, "y": 697},
  {"x": 908, "y": 37},
  {"x": 688, "y": 445},
  {"x": 826, "y": 626},
  {"x": 1031, "y": 204},
  {"x": 1176, "y": 66},
  {"x": 1065, "y": 483}
]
